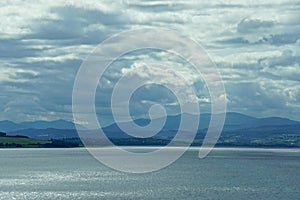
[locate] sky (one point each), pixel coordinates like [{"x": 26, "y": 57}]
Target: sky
[{"x": 254, "y": 45}]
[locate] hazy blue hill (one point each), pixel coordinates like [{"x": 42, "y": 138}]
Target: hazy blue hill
[
  {"x": 266, "y": 131},
  {"x": 58, "y": 124},
  {"x": 239, "y": 129},
  {"x": 172, "y": 122},
  {"x": 46, "y": 134},
  {"x": 234, "y": 121},
  {"x": 7, "y": 126},
  {"x": 276, "y": 121},
  {"x": 238, "y": 118}
]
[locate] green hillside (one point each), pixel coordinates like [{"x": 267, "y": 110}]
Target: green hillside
[{"x": 12, "y": 142}]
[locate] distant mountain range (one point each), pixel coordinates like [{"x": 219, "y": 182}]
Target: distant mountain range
[
  {"x": 234, "y": 121},
  {"x": 9, "y": 126},
  {"x": 239, "y": 129}
]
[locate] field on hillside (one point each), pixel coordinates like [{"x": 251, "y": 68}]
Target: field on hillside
[{"x": 21, "y": 142}]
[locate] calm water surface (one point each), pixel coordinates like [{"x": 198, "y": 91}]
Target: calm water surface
[{"x": 233, "y": 173}]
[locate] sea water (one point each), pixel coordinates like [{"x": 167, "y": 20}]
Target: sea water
[{"x": 226, "y": 173}]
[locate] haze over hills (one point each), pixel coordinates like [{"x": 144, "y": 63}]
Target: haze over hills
[
  {"x": 233, "y": 121},
  {"x": 239, "y": 129},
  {"x": 58, "y": 124},
  {"x": 9, "y": 126}
]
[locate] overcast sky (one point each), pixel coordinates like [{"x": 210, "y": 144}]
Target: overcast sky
[{"x": 255, "y": 45}]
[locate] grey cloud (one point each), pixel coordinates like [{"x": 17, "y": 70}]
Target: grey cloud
[
  {"x": 144, "y": 97},
  {"x": 287, "y": 58},
  {"x": 262, "y": 86},
  {"x": 16, "y": 48},
  {"x": 247, "y": 25},
  {"x": 233, "y": 41},
  {"x": 226, "y": 6},
  {"x": 157, "y": 7},
  {"x": 50, "y": 90},
  {"x": 253, "y": 97},
  {"x": 73, "y": 23},
  {"x": 281, "y": 38},
  {"x": 23, "y": 75}
]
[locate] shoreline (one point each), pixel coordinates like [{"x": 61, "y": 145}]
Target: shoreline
[{"x": 155, "y": 147}]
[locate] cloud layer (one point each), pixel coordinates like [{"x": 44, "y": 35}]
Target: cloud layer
[{"x": 255, "y": 46}]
